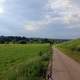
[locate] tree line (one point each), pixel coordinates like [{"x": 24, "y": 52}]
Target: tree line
[{"x": 24, "y": 40}]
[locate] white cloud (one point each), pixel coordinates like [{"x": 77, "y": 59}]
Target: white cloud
[
  {"x": 2, "y": 6},
  {"x": 2, "y": 1},
  {"x": 35, "y": 25},
  {"x": 67, "y": 9},
  {"x": 40, "y": 24},
  {"x": 59, "y": 4},
  {"x": 1, "y": 10},
  {"x": 30, "y": 26},
  {"x": 57, "y": 11}
]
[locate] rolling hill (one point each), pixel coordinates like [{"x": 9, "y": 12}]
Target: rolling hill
[{"x": 71, "y": 48}]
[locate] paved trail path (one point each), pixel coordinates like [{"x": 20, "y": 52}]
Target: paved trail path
[{"x": 64, "y": 68}]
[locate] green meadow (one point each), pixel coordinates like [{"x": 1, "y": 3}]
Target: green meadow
[
  {"x": 71, "y": 48},
  {"x": 24, "y": 61}
]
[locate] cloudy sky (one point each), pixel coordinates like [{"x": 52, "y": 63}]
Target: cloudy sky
[{"x": 40, "y": 18}]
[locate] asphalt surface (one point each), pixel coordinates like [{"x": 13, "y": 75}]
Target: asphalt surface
[{"x": 64, "y": 68}]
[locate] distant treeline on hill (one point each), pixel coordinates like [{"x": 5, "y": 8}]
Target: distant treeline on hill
[{"x": 24, "y": 40}]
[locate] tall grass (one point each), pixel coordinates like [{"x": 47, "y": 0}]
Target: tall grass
[{"x": 24, "y": 62}]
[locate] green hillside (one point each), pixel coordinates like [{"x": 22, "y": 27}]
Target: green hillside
[{"x": 71, "y": 48}]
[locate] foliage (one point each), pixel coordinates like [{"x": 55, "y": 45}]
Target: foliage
[{"x": 23, "y": 40}]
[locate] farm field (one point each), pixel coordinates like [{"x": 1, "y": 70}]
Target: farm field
[
  {"x": 23, "y": 61},
  {"x": 71, "y": 48}
]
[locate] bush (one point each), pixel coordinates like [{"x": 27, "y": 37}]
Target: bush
[
  {"x": 41, "y": 53},
  {"x": 77, "y": 48}
]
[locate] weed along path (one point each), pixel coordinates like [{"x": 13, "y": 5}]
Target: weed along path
[{"x": 64, "y": 68}]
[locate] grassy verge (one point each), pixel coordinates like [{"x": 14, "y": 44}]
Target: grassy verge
[
  {"x": 24, "y": 62},
  {"x": 71, "y": 48}
]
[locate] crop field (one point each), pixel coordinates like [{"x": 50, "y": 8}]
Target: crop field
[
  {"x": 71, "y": 48},
  {"x": 23, "y": 61}
]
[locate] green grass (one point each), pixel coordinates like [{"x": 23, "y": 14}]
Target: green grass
[
  {"x": 23, "y": 62},
  {"x": 71, "y": 48}
]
